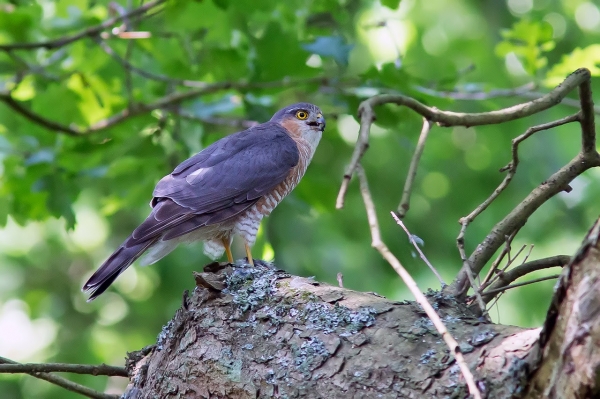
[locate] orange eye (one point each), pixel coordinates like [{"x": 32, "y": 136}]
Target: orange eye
[{"x": 302, "y": 115}]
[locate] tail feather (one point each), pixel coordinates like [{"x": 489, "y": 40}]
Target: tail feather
[{"x": 116, "y": 264}]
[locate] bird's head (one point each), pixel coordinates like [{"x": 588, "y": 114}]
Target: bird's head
[{"x": 302, "y": 119}]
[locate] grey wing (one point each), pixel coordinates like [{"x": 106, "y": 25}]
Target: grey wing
[{"x": 220, "y": 182}]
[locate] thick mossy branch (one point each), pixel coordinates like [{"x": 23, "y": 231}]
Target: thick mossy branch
[{"x": 269, "y": 334}]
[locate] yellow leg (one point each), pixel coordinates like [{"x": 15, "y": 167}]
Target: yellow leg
[
  {"x": 249, "y": 254},
  {"x": 228, "y": 250}
]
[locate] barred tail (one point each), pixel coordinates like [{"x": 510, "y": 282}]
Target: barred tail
[{"x": 116, "y": 264}]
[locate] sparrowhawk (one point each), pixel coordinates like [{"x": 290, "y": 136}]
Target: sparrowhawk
[{"x": 222, "y": 191}]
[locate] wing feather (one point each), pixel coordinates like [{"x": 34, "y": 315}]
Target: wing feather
[{"x": 220, "y": 182}]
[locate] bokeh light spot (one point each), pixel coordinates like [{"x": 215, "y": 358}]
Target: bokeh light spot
[
  {"x": 435, "y": 185},
  {"x": 478, "y": 158},
  {"x": 587, "y": 16},
  {"x": 520, "y": 7}
]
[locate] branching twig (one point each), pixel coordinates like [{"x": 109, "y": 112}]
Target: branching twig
[
  {"x": 64, "y": 383},
  {"x": 505, "y": 251},
  {"x": 421, "y": 254},
  {"x": 89, "y": 32},
  {"x": 366, "y": 113},
  {"x": 558, "y": 182},
  {"x": 506, "y": 278},
  {"x": 412, "y": 170},
  {"x": 494, "y": 272},
  {"x": 493, "y": 292},
  {"x": 380, "y": 246},
  {"x": 512, "y": 170},
  {"x": 525, "y": 91}
]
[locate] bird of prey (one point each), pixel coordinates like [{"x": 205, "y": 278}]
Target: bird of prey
[{"x": 222, "y": 191}]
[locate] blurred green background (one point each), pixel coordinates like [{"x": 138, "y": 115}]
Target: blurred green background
[{"x": 67, "y": 202}]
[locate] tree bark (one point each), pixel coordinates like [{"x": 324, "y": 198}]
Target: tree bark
[{"x": 257, "y": 332}]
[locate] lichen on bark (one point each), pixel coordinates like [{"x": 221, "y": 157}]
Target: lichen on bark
[{"x": 258, "y": 332}]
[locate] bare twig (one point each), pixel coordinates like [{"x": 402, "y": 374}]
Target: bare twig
[
  {"x": 89, "y": 32},
  {"x": 446, "y": 118},
  {"x": 496, "y": 263},
  {"x": 380, "y": 246},
  {"x": 36, "y": 118},
  {"x": 101, "y": 369},
  {"x": 421, "y": 254},
  {"x": 494, "y": 292},
  {"x": 512, "y": 170},
  {"x": 525, "y": 91},
  {"x": 495, "y": 273},
  {"x": 506, "y": 278},
  {"x": 512, "y": 166},
  {"x": 64, "y": 383},
  {"x": 412, "y": 170},
  {"x": 558, "y": 182},
  {"x": 569, "y": 102}
]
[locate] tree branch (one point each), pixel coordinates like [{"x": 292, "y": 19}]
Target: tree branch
[
  {"x": 525, "y": 91},
  {"x": 64, "y": 383},
  {"x": 101, "y": 369},
  {"x": 508, "y": 287},
  {"x": 411, "y": 238},
  {"x": 506, "y": 278},
  {"x": 447, "y": 118},
  {"x": 559, "y": 181},
  {"x": 512, "y": 170},
  {"x": 380, "y": 246},
  {"x": 89, "y": 32},
  {"x": 167, "y": 101},
  {"x": 412, "y": 170}
]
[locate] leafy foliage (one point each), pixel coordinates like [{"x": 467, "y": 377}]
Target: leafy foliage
[{"x": 68, "y": 199}]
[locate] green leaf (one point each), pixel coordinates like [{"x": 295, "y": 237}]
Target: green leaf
[
  {"x": 588, "y": 57},
  {"x": 61, "y": 196},
  {"x": 393, "y": 4},
  {"x": 279, "y": 54},
  {"x": 528, "y": 40}
]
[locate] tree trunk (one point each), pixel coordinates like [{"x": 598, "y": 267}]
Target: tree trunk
[{"x": 256, "y": 332}]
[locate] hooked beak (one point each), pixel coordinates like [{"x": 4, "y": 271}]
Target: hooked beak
[{"x": 320, "y": 123}]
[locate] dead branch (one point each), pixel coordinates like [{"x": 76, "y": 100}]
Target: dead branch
[
  {"x": 506, "y": 278},
  {"x": 63, "y": 382},
  {"x": 366, "y": 114},
  {"x": 525, "y": 91},
  {"x": 412, "y": 170},
  {"x": 510, "y": 286},
  {"x": 494, "y": 273},
  {"x": 411, "y": 238},
  {"x": 380, "y": 246},
  {"x": 101, "y": 369},
  {"x": 511, "y": 224},
  {"x": 89, "y": 32},
  {"x": 512, "y": 170}
]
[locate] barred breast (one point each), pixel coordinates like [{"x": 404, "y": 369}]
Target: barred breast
[{"x": 247, "y": 225}]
